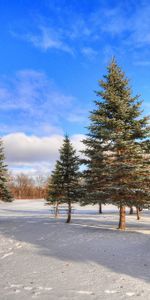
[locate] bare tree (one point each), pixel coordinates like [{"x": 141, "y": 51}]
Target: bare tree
[{"x": 27, "y": 187}]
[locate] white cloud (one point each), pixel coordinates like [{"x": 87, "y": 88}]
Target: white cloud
[
  {"x": 21, "y": 148},
  {"x": 89, "y": 52},
  {"x": 114, "y": 21},
  {"x": 73, "y": 31},
  {"x": 35, "y": 154},
  {"x": 141, "y": 26},
  {"x": 142, "y": 63},
  {"x": 76, "y": 140},
  {"x": 31, "y": 90},
  {"x": 36, "y": 102},
  {"x": 79, "y": 115},
  {"x": 47, "y": 38}
]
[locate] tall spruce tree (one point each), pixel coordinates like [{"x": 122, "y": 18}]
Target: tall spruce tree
[
  {"x": 5, "y": 194},
  {"x": 117, "y": 171},
  {"x": 94, "y": 173},
  {"x": 65, "y": 178},
  {"x": 142, "y": 190}
]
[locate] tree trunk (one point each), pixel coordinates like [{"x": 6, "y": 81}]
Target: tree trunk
[
  {"x": 138, "y": 213},
  {"x": 131, "y": 210},
  {"x": 100, "y": 208},
  {"x": 56, "y": 210},
  {"x": 122, "y": 219},
  {"x": 69, "y": 212}
]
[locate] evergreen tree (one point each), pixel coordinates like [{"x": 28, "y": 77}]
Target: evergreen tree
[
  {"x": 64, "y": 187},
  {"x": 55, "y": 185},
  {"x": 116, "y": 169},
  {"x": 142, "y": 189},
  {"x": 69, "y": 168},
  {"x": 94, "y": 173},
  {"x": 5, "y": 194}
]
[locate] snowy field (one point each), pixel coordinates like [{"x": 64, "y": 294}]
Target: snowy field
[{"x": 43, "y": 258}]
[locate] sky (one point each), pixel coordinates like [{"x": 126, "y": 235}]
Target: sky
[{"x": 53, "y": 52}]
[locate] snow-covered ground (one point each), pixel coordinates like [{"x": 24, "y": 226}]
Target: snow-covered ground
[{"x": 44, "y": 258}]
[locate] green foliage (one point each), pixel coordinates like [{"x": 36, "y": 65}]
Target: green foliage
[
  {"x": 5, "y": 194},
  {"x": 117, "y": 165},
  {"x": 64, "y": 183},
  {"x": 55, "y": 185}
]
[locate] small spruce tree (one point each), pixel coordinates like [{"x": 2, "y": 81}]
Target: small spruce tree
[
  {"x": 5, "y": 194},
  {"x": 69, "y": 169},
  {"x": 55, "y": 185},
  {"x": 64, "y": 186}
]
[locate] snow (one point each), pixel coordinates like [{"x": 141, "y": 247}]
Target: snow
[
  {"x": 84, "y": 292},
  {"x": 45, "y": 258},
  {"x": 7, "y": 254}
]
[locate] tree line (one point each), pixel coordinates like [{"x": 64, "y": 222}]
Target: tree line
[
  {"x": 116, "y": 159},
  {"x": 23, "y": 186}
]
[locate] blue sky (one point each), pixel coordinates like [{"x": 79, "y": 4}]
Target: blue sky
[{"x": 52, "y": 55}]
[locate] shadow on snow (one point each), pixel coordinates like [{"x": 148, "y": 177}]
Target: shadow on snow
[{"x": 94, "y": 239}]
